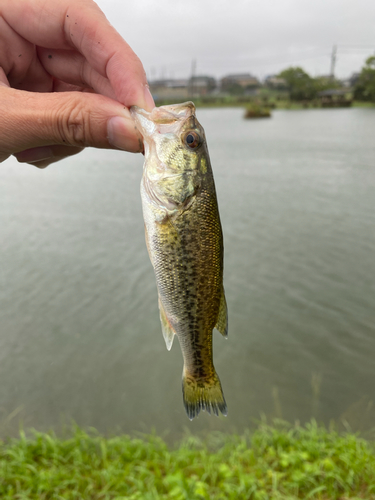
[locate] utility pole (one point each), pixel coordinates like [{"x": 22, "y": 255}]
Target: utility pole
[
  {"x": 333, "y": 61},
  {"x": 192, "y": 75}
]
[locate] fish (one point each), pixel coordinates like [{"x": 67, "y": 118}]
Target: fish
[{"x": 185, "y": 244}]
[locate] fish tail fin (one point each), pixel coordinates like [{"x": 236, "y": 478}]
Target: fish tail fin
[{"x": 203, "y": 394}]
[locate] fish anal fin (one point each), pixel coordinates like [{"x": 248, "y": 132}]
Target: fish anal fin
[
  {"x": 222, "y": 319},
  {"x": 167, "y": 330}
]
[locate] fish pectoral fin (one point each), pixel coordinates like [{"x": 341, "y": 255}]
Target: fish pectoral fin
[
  {"x": 167, "y": 330},
  {"x": 148, "y": 246},
  {"x": 222, "y": 319}
]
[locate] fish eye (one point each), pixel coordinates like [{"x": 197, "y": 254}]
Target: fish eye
[{"x": 192, "y": 139}]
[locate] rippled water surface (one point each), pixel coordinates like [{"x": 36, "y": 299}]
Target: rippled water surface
[{"x": 79, "y": 329}]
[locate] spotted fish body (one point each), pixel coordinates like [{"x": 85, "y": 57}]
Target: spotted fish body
[{"x": 185, "y": 244}]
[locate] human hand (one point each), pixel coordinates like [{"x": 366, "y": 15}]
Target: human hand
[{"x": 67, "y": 79}]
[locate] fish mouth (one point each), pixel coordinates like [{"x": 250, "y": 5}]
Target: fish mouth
[{"x": 161, "y": 118}]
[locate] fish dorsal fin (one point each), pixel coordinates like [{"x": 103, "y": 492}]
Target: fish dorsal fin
[
  {"x": 222, "y": 319},
  {"x": 168, "y": 331}
]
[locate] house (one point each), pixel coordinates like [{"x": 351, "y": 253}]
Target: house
[
  {"x": 169, "y": 89},
  {"x": 201, "y": 85},
  {"x": 182, "y": 89},
  {"x": 240, "y": 81},
  {"x": 335, "y": 98},
  {"x": 275, "y": 82}
]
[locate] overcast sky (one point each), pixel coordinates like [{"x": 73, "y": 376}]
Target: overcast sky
[{"x": 260, "y": 37}]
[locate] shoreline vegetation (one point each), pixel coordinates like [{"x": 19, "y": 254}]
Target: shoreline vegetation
[
  {"x": 256, "y": 110},
  {"x": 270, "y": 104},
  {"x": 278, "y": 461}
]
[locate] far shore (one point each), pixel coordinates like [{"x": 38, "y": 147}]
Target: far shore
[{"x": 231, "y": 102}]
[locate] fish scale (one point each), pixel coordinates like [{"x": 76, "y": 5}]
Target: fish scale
[{"x": 185, "y": 244}]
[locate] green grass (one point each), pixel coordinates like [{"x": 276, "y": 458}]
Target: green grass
[
  {"x": 274, "y": 462},
  {"x": 362, "y": 104}
]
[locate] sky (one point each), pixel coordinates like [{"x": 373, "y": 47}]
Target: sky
[{"x": 260, "y": 37}]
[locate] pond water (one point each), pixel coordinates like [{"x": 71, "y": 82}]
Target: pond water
[{"x": 80, "y": 336}]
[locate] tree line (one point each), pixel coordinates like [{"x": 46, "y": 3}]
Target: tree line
[{"x": 304, "y": 87}]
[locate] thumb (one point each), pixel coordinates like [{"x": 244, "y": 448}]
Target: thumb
[{"x": 68, "y": 119}]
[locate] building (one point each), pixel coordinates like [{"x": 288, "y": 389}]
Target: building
[
  {"x": 335, "y": 98},
  {"x": 275, "y": 82},
  {"x": 239, "y": 81},
  {"x": 169, "y": 89},
  {"x": 202, "y": 85},
  {"x": 182, "y": 89}
]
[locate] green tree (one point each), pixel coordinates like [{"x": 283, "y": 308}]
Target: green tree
[
  {"x": 326, "y": 83},
  {"x": 301, "y": 85},
  {"x": 364, "y": 89}
]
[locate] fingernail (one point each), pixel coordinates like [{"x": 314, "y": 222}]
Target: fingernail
[
  {"x": 34, "y": 154},
  {"x": 149, "y": 99},
  {"x": 123, "y": 134}
]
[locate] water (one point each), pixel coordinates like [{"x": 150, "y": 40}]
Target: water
[{"x": 79, "y": 330}]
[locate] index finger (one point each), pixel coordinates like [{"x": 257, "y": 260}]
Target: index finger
[{"x": 82, "y": 26}]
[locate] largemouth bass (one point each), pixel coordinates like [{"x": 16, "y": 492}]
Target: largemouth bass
[{"x": 185, "y": 245}]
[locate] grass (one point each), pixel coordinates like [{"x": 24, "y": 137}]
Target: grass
[
  {"x": 362, "y": 104},
  {"x": 274, "y": 462}
]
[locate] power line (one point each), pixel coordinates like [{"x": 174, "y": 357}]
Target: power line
[{"x": 358, "y": 45}]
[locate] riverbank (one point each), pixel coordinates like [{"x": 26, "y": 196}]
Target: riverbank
[{"x": 278, "y": 462}]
